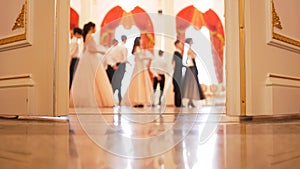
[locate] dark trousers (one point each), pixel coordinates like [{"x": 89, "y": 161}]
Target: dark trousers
[
  {"x": 115, "y": 77},
  {"x": 73, "y": 66},
  {"x": 161, "y": 82},
  {"x": 177, "y": 93},
  {"x": 161, "y": 85},
  {"x": 110, "y": 72}
]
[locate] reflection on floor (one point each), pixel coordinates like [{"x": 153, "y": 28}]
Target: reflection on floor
[{"x": 149, "y": 138}]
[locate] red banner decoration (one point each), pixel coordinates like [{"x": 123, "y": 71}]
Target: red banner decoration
[
  {"x": 117, "y": 16},
  {"x": 74, "y": 19}
]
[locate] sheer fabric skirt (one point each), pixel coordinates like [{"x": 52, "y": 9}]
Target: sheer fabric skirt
[{"x": 191, "y": 85}]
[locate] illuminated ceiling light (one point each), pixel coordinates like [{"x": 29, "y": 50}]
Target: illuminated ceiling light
[
  {"x": 203, "y": 5},
  {"x": 128, "y": 5}
]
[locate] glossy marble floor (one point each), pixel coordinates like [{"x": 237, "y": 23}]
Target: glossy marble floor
[{"x": 148, "y": 138}]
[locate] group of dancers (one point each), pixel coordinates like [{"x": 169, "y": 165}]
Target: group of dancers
[{"x": 99, "y": 73}]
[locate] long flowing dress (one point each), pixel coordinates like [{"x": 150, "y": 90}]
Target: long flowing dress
[
  {"x": 91, "y": 87},
  {"x": 140, "y": 88},
  {"x": 191, "y": 86}
]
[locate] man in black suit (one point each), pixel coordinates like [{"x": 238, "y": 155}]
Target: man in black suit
[
  {"x": 115, "y": 61},
  {"x": 177, "y": 75}
]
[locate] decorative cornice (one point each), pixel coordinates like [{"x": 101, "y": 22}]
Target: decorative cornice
[{"x": 275, "y": 18}]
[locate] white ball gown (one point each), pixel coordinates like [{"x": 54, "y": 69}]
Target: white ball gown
[
  {"x": 140, "y": 88},
  {"x": 91, "y": 87}
]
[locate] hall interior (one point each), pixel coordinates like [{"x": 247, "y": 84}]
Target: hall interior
[
  {"x": 220, "y": 133},
  {"x": 167, "y": 21}
]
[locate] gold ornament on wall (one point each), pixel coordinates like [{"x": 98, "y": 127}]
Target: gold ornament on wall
[
  {"x": 20, "y": 21},
  {"x": 276, "y": 23},
  {"x": 275, "y": 18},
  {"x": 16, "y": 35}
]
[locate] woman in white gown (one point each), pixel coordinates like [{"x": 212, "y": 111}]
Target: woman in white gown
[
  {"x": 91, "y": 87},
  {"x": 140, "y": 87}
]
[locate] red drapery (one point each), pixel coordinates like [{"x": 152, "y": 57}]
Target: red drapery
[
  {"x": 74, "y": 19},
  {"x": 117, "y": 16},
  {"x": 192, "y": 16}
]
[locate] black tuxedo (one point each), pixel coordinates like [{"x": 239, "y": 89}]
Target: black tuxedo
[{"x": 177, "y": 78}]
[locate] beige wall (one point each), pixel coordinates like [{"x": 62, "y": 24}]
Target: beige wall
[
  {"x": 43, "y": 60},
  {"x": 262, "y": 59},
  {"x": 266, "y": 94}
]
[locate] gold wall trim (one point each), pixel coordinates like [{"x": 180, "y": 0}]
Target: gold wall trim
[
  {"x": 242, "y": 57},
  {"x": 22, "y": 36},
  {"x": 285, "y": 39},
  {"x": 13, "y": 39}
]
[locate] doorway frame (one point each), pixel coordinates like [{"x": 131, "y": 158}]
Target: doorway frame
[{"x": 234, "y": 65}]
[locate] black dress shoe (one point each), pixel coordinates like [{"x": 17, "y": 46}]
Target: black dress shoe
[{"x": 138, "y": 105}]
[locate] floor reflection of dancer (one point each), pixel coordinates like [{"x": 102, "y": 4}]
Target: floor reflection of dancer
[
  {"x": 158, "y": 68},
  {"x": 116, "y": 59},
  {"x": 191, "y": 86},
  {"x": 91, "y": 85},
  {"x": 140, "y": 87}
]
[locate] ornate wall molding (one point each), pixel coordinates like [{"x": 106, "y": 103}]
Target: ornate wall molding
[
  {"x": 283, "y": 93},
  {"x": 14, "y": 33},
  {"x": 275, "y": 18},
  {"x": 17, "y": 90},
  {"x": 20, "y": 21},
  {"x": 281, "y": 35},
  {"x": 286, "y": 39},
  {"x": 23, "y": 80}
]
